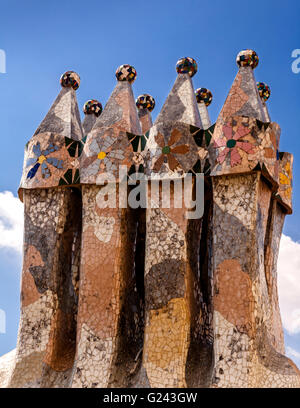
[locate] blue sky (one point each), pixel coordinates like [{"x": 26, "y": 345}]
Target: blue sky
[{"x": 43, "y": 39}]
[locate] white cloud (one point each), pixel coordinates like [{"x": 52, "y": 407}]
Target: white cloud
[
  {"x": 290, "y": 352},
  {"x": 289, "y": 284},
  {"x": 11, "y": 221}
]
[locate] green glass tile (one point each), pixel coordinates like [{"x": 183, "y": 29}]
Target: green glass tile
[
  {"x": 62, "y": 182},
  {"x": 198, "y": 137},
  {"x": 194, "y": 129},
  {"x": 143, "y": 142},
  {"x": 68, "y": 176},
  {"x": 68, "y": 141},
  {"x": 131, "y": 170},
  {"x": 197, "y": 167},
  {"x": 72, "y": 149},
  {"x": 76, "y": 177}
]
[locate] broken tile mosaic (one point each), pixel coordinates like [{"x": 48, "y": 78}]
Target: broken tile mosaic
[
  {"x": 70, "y": 79},
  {"x": 203, "y": 95},
  {"x": 147, "y": 297},
  {"x": 264, "y": 90},
  {"x": 187, "y": 65}
]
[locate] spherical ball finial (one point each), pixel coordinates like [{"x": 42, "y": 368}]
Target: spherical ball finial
[
  {"x": 92, "y": 106},
  {"x": 203, "y": 95},
  {"x": 186, "y": 65},
  {"x": 126, "y": 73},
  {"x": 264, "y": 90},
  {"x": 145, "y": 101},
  {"x": 70, "y": 79},
  {"x": 247, "y": 58}
]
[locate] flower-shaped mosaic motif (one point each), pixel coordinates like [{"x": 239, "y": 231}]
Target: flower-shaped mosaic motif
[
  {"x": 202, "y": 139},
  {"x": 105, "y": 154},
  {"x": 231, "y": 142},
  {"x": 42, "y": 160},
  {"x": 169, "y": 151}
]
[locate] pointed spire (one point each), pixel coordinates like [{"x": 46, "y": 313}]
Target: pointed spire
[
  {"x": 204, "y": 98},
  {"x": 181, "y": 104},
  {"x": 145, "y": 104},
  {"x": 243, "y": 98},
  {"x": 120, "y": 109},
  {"x": 107, "y": 145},
  {"x": 264, "y": 92},
  {"x": 92, "y": 110},
  {"x": 63, "y": 118}
]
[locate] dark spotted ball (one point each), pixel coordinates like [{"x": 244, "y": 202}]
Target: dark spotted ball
[
  {"x": 92, "y": 106},
  {"x": 247, "y": 58},
  {"x": 187, "y": 65},
  {"x": 145, "y": 101},
  {"x": 126, "y": 73},
  {"x": 264, "y": 90},
  {"x": 203, "y": 95},
  {"x": 70, "y": 80}
]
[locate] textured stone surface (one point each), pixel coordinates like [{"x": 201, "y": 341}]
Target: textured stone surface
[
  {"x": 46, "y": 339},
  {"x": 146, "y": 297}
]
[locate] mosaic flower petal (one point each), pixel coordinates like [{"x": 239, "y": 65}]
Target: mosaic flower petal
[
  {"x": 246, "y": 146},
  {"x": 220, "y": 143},
  {"x": 159, "y": 163},
  {"x": 50, "y": 149},
  {"x": 181, "y": 149},
  {"x": 175, "y": 136},
  {"x": 173, "y": 162},
  {"x": 37, "y": 149},
  {"x": 33, "y": 171},
  {"x": 241, "y": 132},
  {"x": 55, "y": 162},
  {"x": 235, "y": 157},
  {"x": 93, "y": 168},
  {"x": 45, "y": 170},
  {"x": 222, "y": 155}
]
